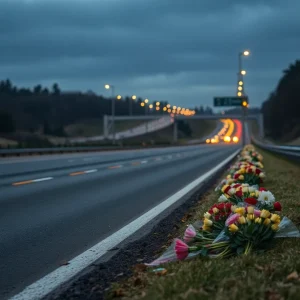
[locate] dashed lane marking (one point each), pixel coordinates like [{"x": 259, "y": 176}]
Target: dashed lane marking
[
  {"x": 115, "y": 167},
  {"x": 83, "y": 172},
  {"x": 31, "y": 181}
]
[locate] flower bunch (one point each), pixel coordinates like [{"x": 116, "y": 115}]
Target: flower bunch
[
  {"x": 249, "y": 229},
  {"x": 215, "y": 217},
  {"x": 244, "y": 220},
  {"x": 249, "y": 195}
]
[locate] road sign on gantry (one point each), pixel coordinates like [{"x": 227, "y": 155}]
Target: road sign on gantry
[{"x": 229, "y": 101}]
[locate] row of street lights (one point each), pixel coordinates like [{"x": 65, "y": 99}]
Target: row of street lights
[
  {"x": 173, "y": 110},
  {"x": 241, "y": 74}
]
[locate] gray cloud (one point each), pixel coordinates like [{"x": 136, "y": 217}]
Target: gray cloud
[{"x": 181, "y": 51}]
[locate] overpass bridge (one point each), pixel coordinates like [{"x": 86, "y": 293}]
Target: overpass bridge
[{"x": 108, "y": 122}]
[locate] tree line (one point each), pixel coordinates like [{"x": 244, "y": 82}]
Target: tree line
[
  {"x": 281, "y": 109},
  {"x": 50, "y": 110}
]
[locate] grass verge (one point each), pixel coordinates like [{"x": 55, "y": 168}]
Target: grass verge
[{"x": 272, "y": 275}]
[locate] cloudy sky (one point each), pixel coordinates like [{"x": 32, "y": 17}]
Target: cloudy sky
[{"x": 183, "y": 51}]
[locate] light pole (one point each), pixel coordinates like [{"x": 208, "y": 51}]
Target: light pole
[
  {"x": 146, "y": 106},
  {"x": 133, "y": 97},
  {"x": 241, "y": 91},
  {"x": 112, "y": 87}
]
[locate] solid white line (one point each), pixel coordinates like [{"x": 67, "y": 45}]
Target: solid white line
[
  {"x": 144, "y": 161},
  {"x": 47, "y": 284},
  {"x": 42, "y": 179},
  {"x": 90, "y": 171}
]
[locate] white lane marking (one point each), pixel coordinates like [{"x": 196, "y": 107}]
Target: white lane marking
[
  {"x": 42, "y": 179},
  {"x": 144, "y": 161},
  {"x": 47, "y": 284},
  {"x": 89, "y": 158},
  {"x": 91, "y": 171}
]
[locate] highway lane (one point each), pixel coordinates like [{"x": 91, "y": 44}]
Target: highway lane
[
  {"x": 34, "y": 164},
  {"x": 46, "y": 223}
]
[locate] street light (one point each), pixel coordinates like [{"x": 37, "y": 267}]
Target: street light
[
  {"x": 133, "y": 97},
  {"x": 146, "y": 100},
  {"x": 169, "y": 105},
  {"x": 151, "y": 106},
  {"x": 110, "y": 86},
  {"x": 142, "y": 104},
  {"x": 239, "y": 94},
  {"x": 240, "y": 88},
  {"x": 241, "y": 82},
  {"x": 157, "y": 103},
  {"x": 119, "y": 97},
  {"x": 243, "y": 72},
  {"x": 246, "y": 53}
]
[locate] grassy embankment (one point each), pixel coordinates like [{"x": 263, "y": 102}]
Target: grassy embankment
[{"x": 272, "y": 275}]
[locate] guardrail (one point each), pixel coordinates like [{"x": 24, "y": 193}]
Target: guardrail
[{"x": 292, "y": 152}]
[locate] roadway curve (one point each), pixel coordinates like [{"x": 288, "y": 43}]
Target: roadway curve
[{"x": 44, "y": 223}]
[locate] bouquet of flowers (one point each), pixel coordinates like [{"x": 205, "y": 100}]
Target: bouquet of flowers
[{"x": 243, "y": 221}]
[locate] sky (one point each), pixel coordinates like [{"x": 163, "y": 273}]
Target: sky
[{"x": 181, "y": 51}]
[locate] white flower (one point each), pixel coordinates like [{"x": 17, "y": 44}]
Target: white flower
[
  {"x": 222, "y": 198},
  {"x": 266, "y": 196},
  {"x": 231, "y": 191},
  {"x": 251, "y": 189}
]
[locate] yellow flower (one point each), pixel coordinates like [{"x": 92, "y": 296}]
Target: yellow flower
[
  {"x": 233, "y": 228},
  {"x": 228, "y": 176},
  {"x": 242, "y": 170},
  {"x": 252, "y": 194},
  {"x": 275, "y": 218},
  {"x": 240, "y": 210},
  {"x": 256, "y": 193},
  {"x": 265, "y": 214},
  {"x": 242, "y": 220},
  {"x": 245, "y": 189},
  {"x": 207, "y": 222},
  {"x": 230, "y": 181},
  {"x": 258, "y": 220},
  {"x": 225, "y": 186},
  {"x": 275, "y": 227},
  {"x": 250, "y": 210},
  {"x": 206, "y": 228},
  {"x": 207, "y": 215},
  {"x": 215, "y": 210},
  {"x": 241, "y": 177},
  {"x": 267, "y": 221},
  {"x": 250, "y": 217},
  {"x": 233, "y": 208}
]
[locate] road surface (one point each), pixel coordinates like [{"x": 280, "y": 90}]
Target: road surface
[{"x": 53, "y": 208}]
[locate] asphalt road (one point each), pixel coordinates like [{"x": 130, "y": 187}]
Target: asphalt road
[{"x": 53, "y": 208}]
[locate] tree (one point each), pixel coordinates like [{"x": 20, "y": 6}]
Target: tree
[
  {"x": 7, "y": 124},
  {"x": 37, "y": 89},
  {"x": 55, "y": 89}
]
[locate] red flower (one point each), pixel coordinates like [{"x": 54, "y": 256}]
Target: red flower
[
  {"x": 277, "y": 206},
  {"x": 239, "y": 194},
  {"x": 257, "y": 171},
  {"x": 236, "y": 185},
  {"x": 262, "y": 189},
  {"x": 236, "y": 176},
  {"x": 227, "y": 189},
  {"x": 251, "y": 201}
]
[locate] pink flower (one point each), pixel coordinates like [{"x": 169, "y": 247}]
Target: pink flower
[
  {"x": 181, "y": 249},
  {"x": 232, "y": 219},
  {"x": 256, "y": 213},
  {"x": 189, "y": 234}
]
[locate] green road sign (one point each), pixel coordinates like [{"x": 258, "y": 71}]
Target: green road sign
[{"x": 229, "y": 101}]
